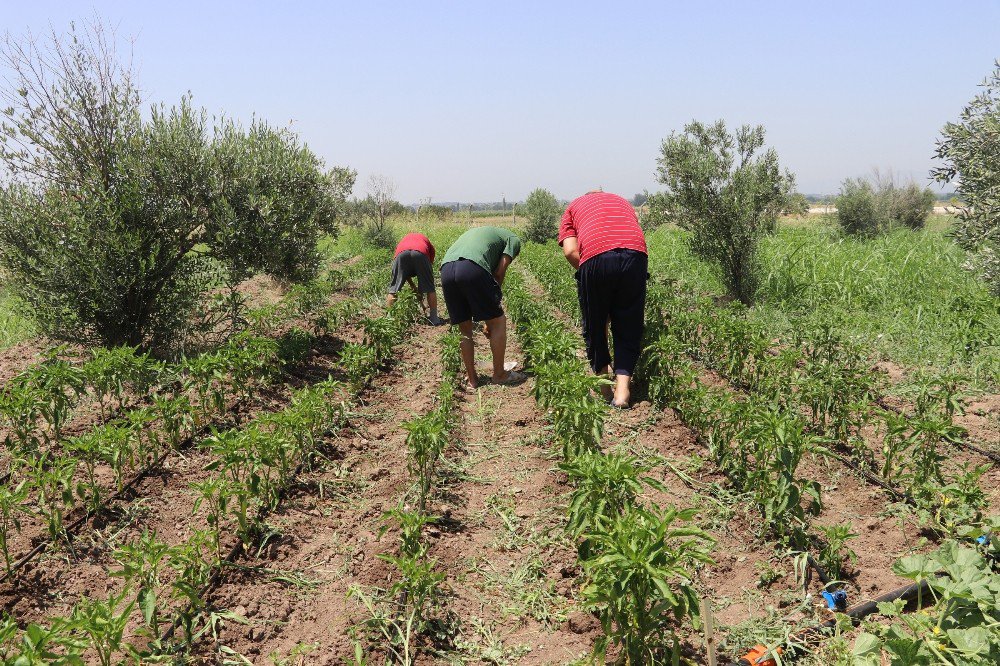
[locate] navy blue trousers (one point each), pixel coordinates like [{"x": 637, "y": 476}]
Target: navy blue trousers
[{"x": 612, "y": 286}]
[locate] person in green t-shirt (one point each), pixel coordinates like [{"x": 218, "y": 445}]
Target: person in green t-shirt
[{"x": 472, "y": 273}]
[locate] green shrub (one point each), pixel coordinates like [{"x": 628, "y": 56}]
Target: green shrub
[
  {"x": 858, "y": 208},
  {"x": 379, "y": 234},
  {"x": 870, "y": 206},
  {"x": 969, "y": 150},
  {"x": 796, "y": 205},
  {"x": 911, "y": 205},
  {"x": 375, "y": 210},
  {"x": 543, "y": 212},
  {"x": 113, "y": 226},
  {"x": 728, "y": 198}
]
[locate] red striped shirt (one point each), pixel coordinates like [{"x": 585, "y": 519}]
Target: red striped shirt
[
  {"x": 602, "y": 221},
  {"x": 417, "y": 242}
]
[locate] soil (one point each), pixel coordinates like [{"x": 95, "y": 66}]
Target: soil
[
  {"x": 512, "y": 581},
  {"x": 329, "y": 527},
  {"x": 751, "y": 577}
]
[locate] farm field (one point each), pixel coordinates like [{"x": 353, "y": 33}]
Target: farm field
[{"x": 322, "y": 490}]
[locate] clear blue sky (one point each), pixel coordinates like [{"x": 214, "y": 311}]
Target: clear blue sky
[{"x": 471, "y": 100}]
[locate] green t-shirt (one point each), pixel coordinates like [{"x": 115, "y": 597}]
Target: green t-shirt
[{"x": 485, "y": 246}]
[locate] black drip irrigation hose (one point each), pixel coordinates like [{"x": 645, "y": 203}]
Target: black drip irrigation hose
[
  {"x": 857, "y": 613},
  {"x": 234, "y": 553},
  {"x": 820, "y": 571},
  {"x": 873, "y": 479},
  {"x": 71, "y": 529}
]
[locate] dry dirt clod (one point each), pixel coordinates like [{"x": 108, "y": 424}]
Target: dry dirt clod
[{"x": 582, "y": 623}]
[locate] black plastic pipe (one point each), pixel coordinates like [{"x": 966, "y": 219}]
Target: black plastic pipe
[{"x": 861, "y": 611}]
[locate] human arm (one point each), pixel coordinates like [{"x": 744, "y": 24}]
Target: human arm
[
  {"x": 501, "y": 271},
  {"x": 420, "y": 295},
  {"x": 571, "y": 250},
  {"x": 568, "y": 240}
]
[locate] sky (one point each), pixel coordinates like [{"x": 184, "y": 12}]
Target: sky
[{"x": 478, "y": 101}]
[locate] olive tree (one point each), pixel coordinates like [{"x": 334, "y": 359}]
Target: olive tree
[
  {"x": 275, "y": 201},
  {"x": 543, "y": 211},
  {"x": 728, "y": 192},
  {"x": 871, "y": 205},
  {"x": 970, "y": 149},
  {"x": 376, "y": 209},
  {"x": 797, "y": 205},
  {"x": 114, "y": 226}
]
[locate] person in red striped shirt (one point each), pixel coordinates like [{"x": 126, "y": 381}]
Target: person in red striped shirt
[
  {"x": 601, "y": 238},
  {"x": 413, "y": 259}
]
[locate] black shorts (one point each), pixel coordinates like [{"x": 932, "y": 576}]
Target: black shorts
[
  {"x": 470, "y": 292},
  {"x": 409, "y": 264}
]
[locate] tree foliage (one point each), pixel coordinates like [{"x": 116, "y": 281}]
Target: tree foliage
[
  {"x": 797, "y": 205},
  {"x": 869, "y": 206},
  {"x": 375, "y": 210},
  {"x": 275, "y": 201},
  {"x": 970, "y": 149},
  {"x": 114, "y": 226},
  {"x": 433, "y": 212},
  {"x": 543, "y": 211},
  {"x": 727, "y": 193}
]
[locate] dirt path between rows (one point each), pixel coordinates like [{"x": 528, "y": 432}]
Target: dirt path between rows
[
  {"x": 293, "y": 593},
  {"x": 511, "y": 570},
  {"x": 752, "y": 577}
]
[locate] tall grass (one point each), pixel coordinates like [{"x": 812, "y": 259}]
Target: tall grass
[
  {"x": 904, "y": 294},
  {"x": 13, "y": 327}
]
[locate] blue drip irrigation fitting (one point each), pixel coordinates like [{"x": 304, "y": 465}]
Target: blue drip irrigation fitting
[{"x": 836, "y": 600}]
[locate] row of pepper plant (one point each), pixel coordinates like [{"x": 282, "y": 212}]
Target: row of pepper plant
[
  {"x": 238, "y": 366},
  {"x": 50, "y": 476},
  {"x": 822, "y": 384},
  {"x": 251, "y": 470},
  {"x": 756, "y": 444},
  {"x": 398, "y": 615},
  {"x": 638, "y": 559},
  {"x": 827, "y": 381}
]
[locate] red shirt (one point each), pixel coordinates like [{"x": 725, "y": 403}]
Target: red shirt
[
  {"x": 601, "y": 221},
  {"x": 417, "y": 242}
]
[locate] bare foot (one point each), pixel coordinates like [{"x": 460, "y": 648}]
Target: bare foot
[
  {"x": 509, "y": 377},
  {"x": 607, "y": 392},
  {"x": 621, "y": 399}
]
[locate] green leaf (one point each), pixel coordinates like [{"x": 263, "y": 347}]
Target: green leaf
[
  {"x": 147, "y": 603},
  {"x": 974, "y": 641},
  {"x": 867, "y": 650},
  {"x": 915, "y": 567}
]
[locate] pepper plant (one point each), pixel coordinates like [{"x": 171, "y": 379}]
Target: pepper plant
[
  {"x": 142, "y": 563},
  {"x": 604, "y": 488},
  {"x": 640, "y": 581},
  {"x": 13, "y": 503}
]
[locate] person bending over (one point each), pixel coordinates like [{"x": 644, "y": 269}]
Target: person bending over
[
  {"x": 472, "y": 273},
  {"x": 414, "y": 258},
  {"x": 601, "y": 238}
]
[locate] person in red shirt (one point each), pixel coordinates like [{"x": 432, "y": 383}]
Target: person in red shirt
[
  {"x": 601, "y": 238},
  {"x": 413, "y": 259}
]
